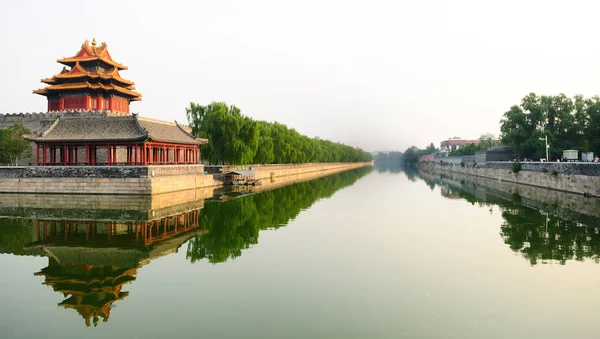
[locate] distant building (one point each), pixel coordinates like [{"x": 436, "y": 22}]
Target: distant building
[{"x": 454, "y": 144}]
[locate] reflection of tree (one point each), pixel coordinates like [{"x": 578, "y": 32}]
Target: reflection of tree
[
  {"x": 392, "y": 167},
  {"x": 411, "y": 173},
  {"x": 234, "y": 225},
  {"x": 540, "y": 237},
  {"x": 14, "y": 235}
]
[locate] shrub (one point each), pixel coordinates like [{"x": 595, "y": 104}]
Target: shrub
[
  {"x": 516, "y": 167},
  {"x": 544, "y": 170},
  {"x": 554, "y": 172},
  {"x": 462, "y": 164}
]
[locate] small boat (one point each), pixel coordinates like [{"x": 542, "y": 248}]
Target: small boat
[{"x": 239, "y": 178}]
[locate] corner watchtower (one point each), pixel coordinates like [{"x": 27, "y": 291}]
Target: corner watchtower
[{"x": 90, "y": 80}]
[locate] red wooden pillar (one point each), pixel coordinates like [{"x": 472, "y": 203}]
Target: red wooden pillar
[
  {"x": 87, "y": 154},
  {"x": 61, "y": 104},
  {"x": 37, "y": 155},
  {"x": 44, "y": 154},
  {"x": 108, "y": 154},
  {"x": 115, "y": 155}
]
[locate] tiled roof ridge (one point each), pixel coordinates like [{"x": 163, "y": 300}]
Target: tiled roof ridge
[
  {"x": 43, "y": 133},
  {"x": 164, "y": 122},
  {"x": 137, "y": 123},
  {"x": 181, "y": 127}
]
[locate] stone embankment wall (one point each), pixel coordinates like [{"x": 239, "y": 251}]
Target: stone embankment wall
[
  {"x": 580, "y": 178},
  {"x": 264, "y": 172},
  {"x": 141, "y": 180},
  {"x": 135, "y": 180},
  {"x": 281, "y": 181}
]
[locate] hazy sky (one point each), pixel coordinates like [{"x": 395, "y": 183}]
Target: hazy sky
[{"x": 380, "y": 75}]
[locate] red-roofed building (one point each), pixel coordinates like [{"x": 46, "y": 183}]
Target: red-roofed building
[{"x": 454, "y": 144}]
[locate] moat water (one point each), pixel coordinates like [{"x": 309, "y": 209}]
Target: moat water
[{"x": 380, "y": 253}]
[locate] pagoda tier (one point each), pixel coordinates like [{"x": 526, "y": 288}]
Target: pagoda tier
[{"x": 90, "y": 80}]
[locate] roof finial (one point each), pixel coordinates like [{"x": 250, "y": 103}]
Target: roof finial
[{"x": 94, "y": 42}]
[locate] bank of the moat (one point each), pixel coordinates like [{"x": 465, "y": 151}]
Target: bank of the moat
[
  {"x": 579, "y": 178},
  {"x": 142, "y": 180}
]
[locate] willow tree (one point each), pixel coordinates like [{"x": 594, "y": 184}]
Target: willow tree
[{"x": 237, "y": 139}]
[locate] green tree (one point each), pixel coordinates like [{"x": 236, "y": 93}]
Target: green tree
[
  {"x": 237, "y": 139},
  {"x": 487, "y": 141},
  {"x": 12, "y": 145}
]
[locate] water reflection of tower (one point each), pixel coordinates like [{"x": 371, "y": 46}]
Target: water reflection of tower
[
  {"x": 90, "y": 290},
  {"x": 91, "y": 260}
]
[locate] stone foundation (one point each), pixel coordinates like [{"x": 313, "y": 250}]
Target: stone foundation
[
  {"x": 138, "y": 180},
  {"x": 129, "y": 180}
]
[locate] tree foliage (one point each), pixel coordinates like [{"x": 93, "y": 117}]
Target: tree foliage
[
  {"x": 237, "y": 139},
  {"x": 12, "y": 144},
  {"x": 412, "y": 154},
  {"x": 235, "y": 225},
  {"x": 569, "y": 123}
]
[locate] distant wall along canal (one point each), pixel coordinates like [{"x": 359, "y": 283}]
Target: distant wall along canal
[{"x": 383, "y": 253}]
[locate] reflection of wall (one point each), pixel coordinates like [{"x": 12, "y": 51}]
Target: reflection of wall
[
  {"x": 565, "y": 204},
  {"x": 575, "y": 178},
  {"x": 104, "y": 207}
]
